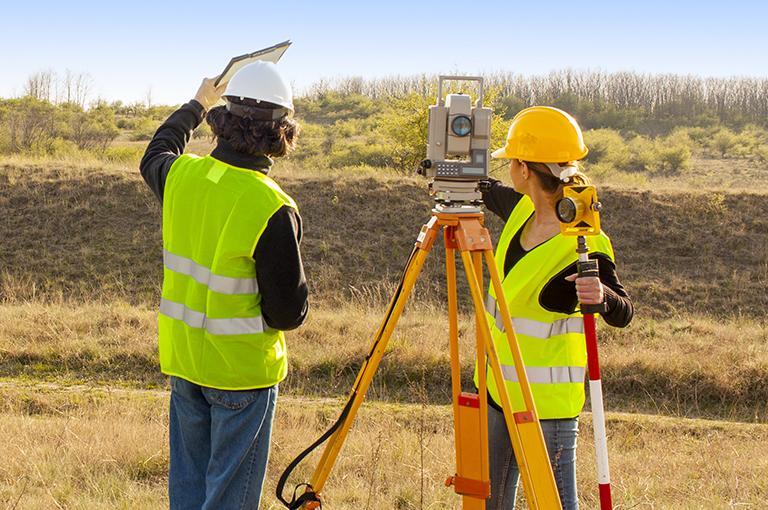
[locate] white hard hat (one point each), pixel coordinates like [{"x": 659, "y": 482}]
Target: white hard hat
[{"x": 260, "y": 81}]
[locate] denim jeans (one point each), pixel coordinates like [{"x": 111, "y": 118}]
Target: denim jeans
[
  {"x": 219, "y": 446},
  {"x": 560, "y": 437}
]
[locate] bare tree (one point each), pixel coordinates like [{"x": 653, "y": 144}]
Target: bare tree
[
  {"x": 40, "y": 85},
  {"x": 75, "y": 88}
]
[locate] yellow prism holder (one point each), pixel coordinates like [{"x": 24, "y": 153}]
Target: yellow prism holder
[{"x": 463, "y": 232}]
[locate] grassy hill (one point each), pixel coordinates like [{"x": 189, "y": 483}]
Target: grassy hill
[
  {"x": 81, "y": 272},
  {"x": 85, "y": 232}
]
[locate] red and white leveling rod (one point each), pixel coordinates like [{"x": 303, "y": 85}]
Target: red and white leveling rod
[{"x": 589, "y": 268}]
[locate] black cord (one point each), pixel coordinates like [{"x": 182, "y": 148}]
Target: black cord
[{"x": 309, "y": 494}]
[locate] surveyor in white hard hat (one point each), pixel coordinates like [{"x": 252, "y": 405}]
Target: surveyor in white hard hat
[{"x": 233, "y": 282}]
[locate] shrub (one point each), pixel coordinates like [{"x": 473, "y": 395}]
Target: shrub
[
  {"x": 681, "y": 137},
  {"x": 94, "y": 129},
  {"x": 331, "y": 106},
  {"x": 128, "y": 123},
  {"x": 123, "y": 154},
  {"x": 673, "y": 158},
  {"x": 761, "y": 153},
  {"x": 27, "y": 121},
  {"x": 748, "y": 141},
  {"x": 643, "y": 154},
  {"x": 361, "y": 153},
  {"x": 144, "y": 130},
  {"x": 723, "y": 141},
  {"x": 698, "y": 135},
  {"x": 54, "y": 147},
  {"x": 405, "y": 125},
  {"x": 606, "y": 146},
  {"x": 601, "y": 173}
]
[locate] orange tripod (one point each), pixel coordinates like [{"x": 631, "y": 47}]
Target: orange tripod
[{"x": 463, "y": 232}]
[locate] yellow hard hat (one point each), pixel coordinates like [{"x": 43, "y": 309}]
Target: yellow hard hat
[{"x": 543, "y": 134}]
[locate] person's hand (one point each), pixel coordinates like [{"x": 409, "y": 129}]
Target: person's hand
[
  {"x": 589, "y": 290},
  {"x": 208, "y": 94}
]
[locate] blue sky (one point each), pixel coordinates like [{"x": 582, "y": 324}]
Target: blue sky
[{"x": 168, "y": 46}]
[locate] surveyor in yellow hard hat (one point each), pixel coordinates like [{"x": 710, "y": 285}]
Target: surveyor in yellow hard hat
[
  {"x": 538, "y": 265},
  {"x": 233, "y": 282}
]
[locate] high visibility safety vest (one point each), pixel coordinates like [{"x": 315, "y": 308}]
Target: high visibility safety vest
[
  {"x": 210, "y": 325},
  {"x": 552, "y": 344}
]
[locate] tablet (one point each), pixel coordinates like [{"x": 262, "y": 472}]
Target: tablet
[{"x": 271, "y": 54}]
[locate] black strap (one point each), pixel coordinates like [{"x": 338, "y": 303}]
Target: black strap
[
  {"x": 590, "y": 269},
  {"x": 256, "y": 112},
  {"x": 309, "y": 493}
]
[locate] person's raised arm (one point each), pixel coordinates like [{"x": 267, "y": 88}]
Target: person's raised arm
[
  {"x": 172, "y": 136},
  {"x": 499, "y": 198}
]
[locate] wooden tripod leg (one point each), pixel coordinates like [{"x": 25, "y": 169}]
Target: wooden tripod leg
[
  {"x": 523, "y": 427},
  {"x": 365, "y": 376},
  {"x": 482, "y": 376},
  {"x": 453, "y": 338},
  {"x": 470, "y": 417}
]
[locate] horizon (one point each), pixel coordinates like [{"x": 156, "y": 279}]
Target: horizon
[
  {"x": 337, "y": 40},
  {"x": 334, "y": 82}
]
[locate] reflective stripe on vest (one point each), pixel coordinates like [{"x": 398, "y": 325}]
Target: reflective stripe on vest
[
  {"x": 546, "y": 375},
  {"x": 552, "y": 343},
  {"x": 198, "y": 320},
  {"x": 533, "y": 328},
  {"x": 203, "y": 275}
]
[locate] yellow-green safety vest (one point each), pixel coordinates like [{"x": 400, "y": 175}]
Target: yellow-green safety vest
[
  {"x": 210, "y": 325},
  {"x": 552, "y": 344}
]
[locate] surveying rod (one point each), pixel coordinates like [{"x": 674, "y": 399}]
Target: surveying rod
[
  {"x": 579, "y": 214},
  {"x": 588, "y": 268}
]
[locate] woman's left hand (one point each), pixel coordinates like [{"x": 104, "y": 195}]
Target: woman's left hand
[{"x": 589, "y": 290}]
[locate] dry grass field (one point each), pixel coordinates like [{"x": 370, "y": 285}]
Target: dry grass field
[
  {"x": 85, "y": 448},
  {"x": 84, "y": 408},
  {"x": 687, "y": 366}
]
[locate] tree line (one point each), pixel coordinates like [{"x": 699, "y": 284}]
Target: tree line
[
  {"x": 382, "y": 121},
  {"x": 646, "y": 102}
]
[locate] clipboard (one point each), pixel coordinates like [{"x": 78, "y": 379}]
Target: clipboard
[{"x": 271, "y": 54}]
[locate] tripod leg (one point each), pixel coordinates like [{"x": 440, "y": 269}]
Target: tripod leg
[
  {"x": 453, "y": 338},
  {"x": 523, "y": 427},
  {"x": 368, "y": 370},
  {"x": 470, "y": 416},
  {"x": 482, "y": 375}
]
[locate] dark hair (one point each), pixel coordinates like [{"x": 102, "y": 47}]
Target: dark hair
[
  {"x": 550, "y": 183},
  {"x": 251, "y": 135}
]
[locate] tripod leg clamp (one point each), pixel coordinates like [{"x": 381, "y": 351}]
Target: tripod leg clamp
[{"x": 468, "y": 487}]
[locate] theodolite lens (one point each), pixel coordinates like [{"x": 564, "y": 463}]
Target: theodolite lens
[
  {"x": 567, "y": 210},
  {"x": 461, "y": 125}
]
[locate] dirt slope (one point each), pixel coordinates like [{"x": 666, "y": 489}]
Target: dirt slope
[{"x": 95, "y": 234}]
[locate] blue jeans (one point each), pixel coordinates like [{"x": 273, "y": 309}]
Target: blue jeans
[
  {"x": 219, "y": 446},
  {"x": 560, "y": 437}
]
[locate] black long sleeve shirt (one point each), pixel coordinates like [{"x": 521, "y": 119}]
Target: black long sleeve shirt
[
  {"x": 559, "y": 295},
  {"x": 279, "y": 269}
]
